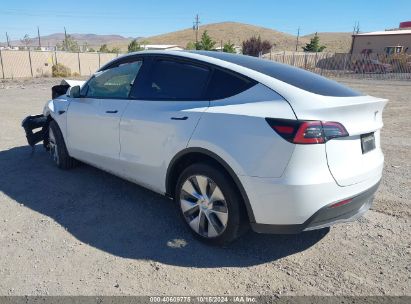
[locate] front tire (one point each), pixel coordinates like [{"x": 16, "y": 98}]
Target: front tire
[
  {"x": 57, "y": 148},
  {"x": 210, "y": 204}
]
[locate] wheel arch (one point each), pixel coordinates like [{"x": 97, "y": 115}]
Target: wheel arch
[{"x": 193, "y": 155}]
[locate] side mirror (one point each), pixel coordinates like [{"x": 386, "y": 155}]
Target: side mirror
[{"x": 74, "y": 92}]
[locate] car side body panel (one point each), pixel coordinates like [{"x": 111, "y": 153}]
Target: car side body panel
[
  {"x": 151, "y": 134},
  {"x": 236, "y": 130},
  {"x": 57, "y": 109},
  {"x": 93, "y": 131}
]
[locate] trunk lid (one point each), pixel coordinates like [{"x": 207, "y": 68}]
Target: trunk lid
[{"x": 348, "y": 159}]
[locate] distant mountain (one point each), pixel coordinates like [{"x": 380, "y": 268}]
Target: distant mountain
[
  {"x": 238, "y": 32},
  {"x": 221, "y": 32},
  {"x": 226, "y": 31},
  {"x": 92, "y": 40}
]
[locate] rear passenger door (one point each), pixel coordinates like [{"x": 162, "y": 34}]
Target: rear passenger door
[{"x": 164, "y": 109}]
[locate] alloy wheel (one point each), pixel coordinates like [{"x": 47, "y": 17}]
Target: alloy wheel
[{"x": 204, "y": 206}]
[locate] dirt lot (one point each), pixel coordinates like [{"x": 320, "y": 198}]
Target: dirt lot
[{"x": 85, "y": 232}]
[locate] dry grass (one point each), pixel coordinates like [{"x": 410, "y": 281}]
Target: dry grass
[
  {"x": 334, "y": 41},
  {"x": 238, "y": 32}
]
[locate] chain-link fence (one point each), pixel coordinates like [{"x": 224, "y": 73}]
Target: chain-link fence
[
  {"x": 17, "y": 64},
  {"x": 396, "y": 66}
]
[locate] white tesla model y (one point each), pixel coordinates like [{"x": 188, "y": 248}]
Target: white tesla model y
[{"x": 235, "y": 140}]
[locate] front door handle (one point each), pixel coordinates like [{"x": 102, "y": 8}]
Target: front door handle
[
  {"x": 179, "y": 118},
  {"x": 111, "y": 111}
]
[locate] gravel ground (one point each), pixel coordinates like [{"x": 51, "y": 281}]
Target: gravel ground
[{"x": 85, "y": 232}]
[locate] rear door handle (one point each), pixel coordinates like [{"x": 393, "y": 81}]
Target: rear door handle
[
  {"x": 179, "y": 118},
  {"x": 111, "y": 111}
]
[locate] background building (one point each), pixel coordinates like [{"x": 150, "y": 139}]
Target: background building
[{"x": 383, "y": 42}]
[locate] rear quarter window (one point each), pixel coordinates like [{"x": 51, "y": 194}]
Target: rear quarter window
[
  {"x": 297, "y": 77},
  {"x": 224, "y": 84}
]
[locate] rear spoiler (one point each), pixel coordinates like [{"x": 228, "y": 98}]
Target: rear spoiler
[{"x": 62, "y": 88}]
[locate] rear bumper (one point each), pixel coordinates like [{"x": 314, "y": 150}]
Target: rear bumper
[{"x": 326, "y": 216}]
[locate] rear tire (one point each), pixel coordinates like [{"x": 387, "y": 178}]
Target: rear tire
[
  {"x": 210, "y": 204},
  {"x": 57, "y": 148}
]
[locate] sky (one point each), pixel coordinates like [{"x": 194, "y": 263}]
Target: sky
[{"x": 146, "y": 18}]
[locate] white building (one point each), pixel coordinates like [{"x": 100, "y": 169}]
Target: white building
[
  {"x": 162, "y": 47},
  {"x": 237, "y": 49}
]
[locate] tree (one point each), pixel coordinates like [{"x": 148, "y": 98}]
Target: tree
[
  {"x": 191, "y": 46},
  {"x": 134, "y": 46},
  {"x": 229, "y": 47},
  {"x": 104, "y": 49},
  {"x": 26, "y": 41},
  {"x": 314, "y": 45},
  {"x": 68, "y": 44},
  {"x": 206, "y": 43},
  {"x": 255, "y": 46}
]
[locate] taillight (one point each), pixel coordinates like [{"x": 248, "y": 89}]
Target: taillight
[{"x": 307, "y": 132}]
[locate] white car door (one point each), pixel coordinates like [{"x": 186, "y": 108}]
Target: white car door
[
  {"x": 163, "y": 112},
  {"x": 93, "y": 120}
]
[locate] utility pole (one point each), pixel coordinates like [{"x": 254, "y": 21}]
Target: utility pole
[
  {"x": 298, "y": 36},
  {"x": 65, "y": 39},
  {"x": 38, "y": 35},
  {"x": 196, "y": 26},
  {"x": 8, "y": 40},
  {"x": 356, "y": 29}
]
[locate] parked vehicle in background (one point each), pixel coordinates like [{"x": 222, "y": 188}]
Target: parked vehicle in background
[
  {"x": 236, "y": 141},
  {"x": 371, "y": 66}
]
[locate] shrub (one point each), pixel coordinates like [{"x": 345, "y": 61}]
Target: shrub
[
  {"x": 134, "y": 46},
  {"x": 229, "y": 47},
  {"x": 256, "y": 47},
  {"x": 60, "y": 70}
]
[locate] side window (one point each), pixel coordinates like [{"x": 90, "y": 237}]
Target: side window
[
  {"x": 113, "y": 83},
  {"x": 173, "y": 80},
  {"x": 224, "y": 84}
]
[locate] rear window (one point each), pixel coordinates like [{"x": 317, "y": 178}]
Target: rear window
[
  {"x": 224, "y": 84},
  {"x": 299, "y": 78}
]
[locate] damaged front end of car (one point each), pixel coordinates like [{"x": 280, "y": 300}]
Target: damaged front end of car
[{"x": 36, "y": 126}]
